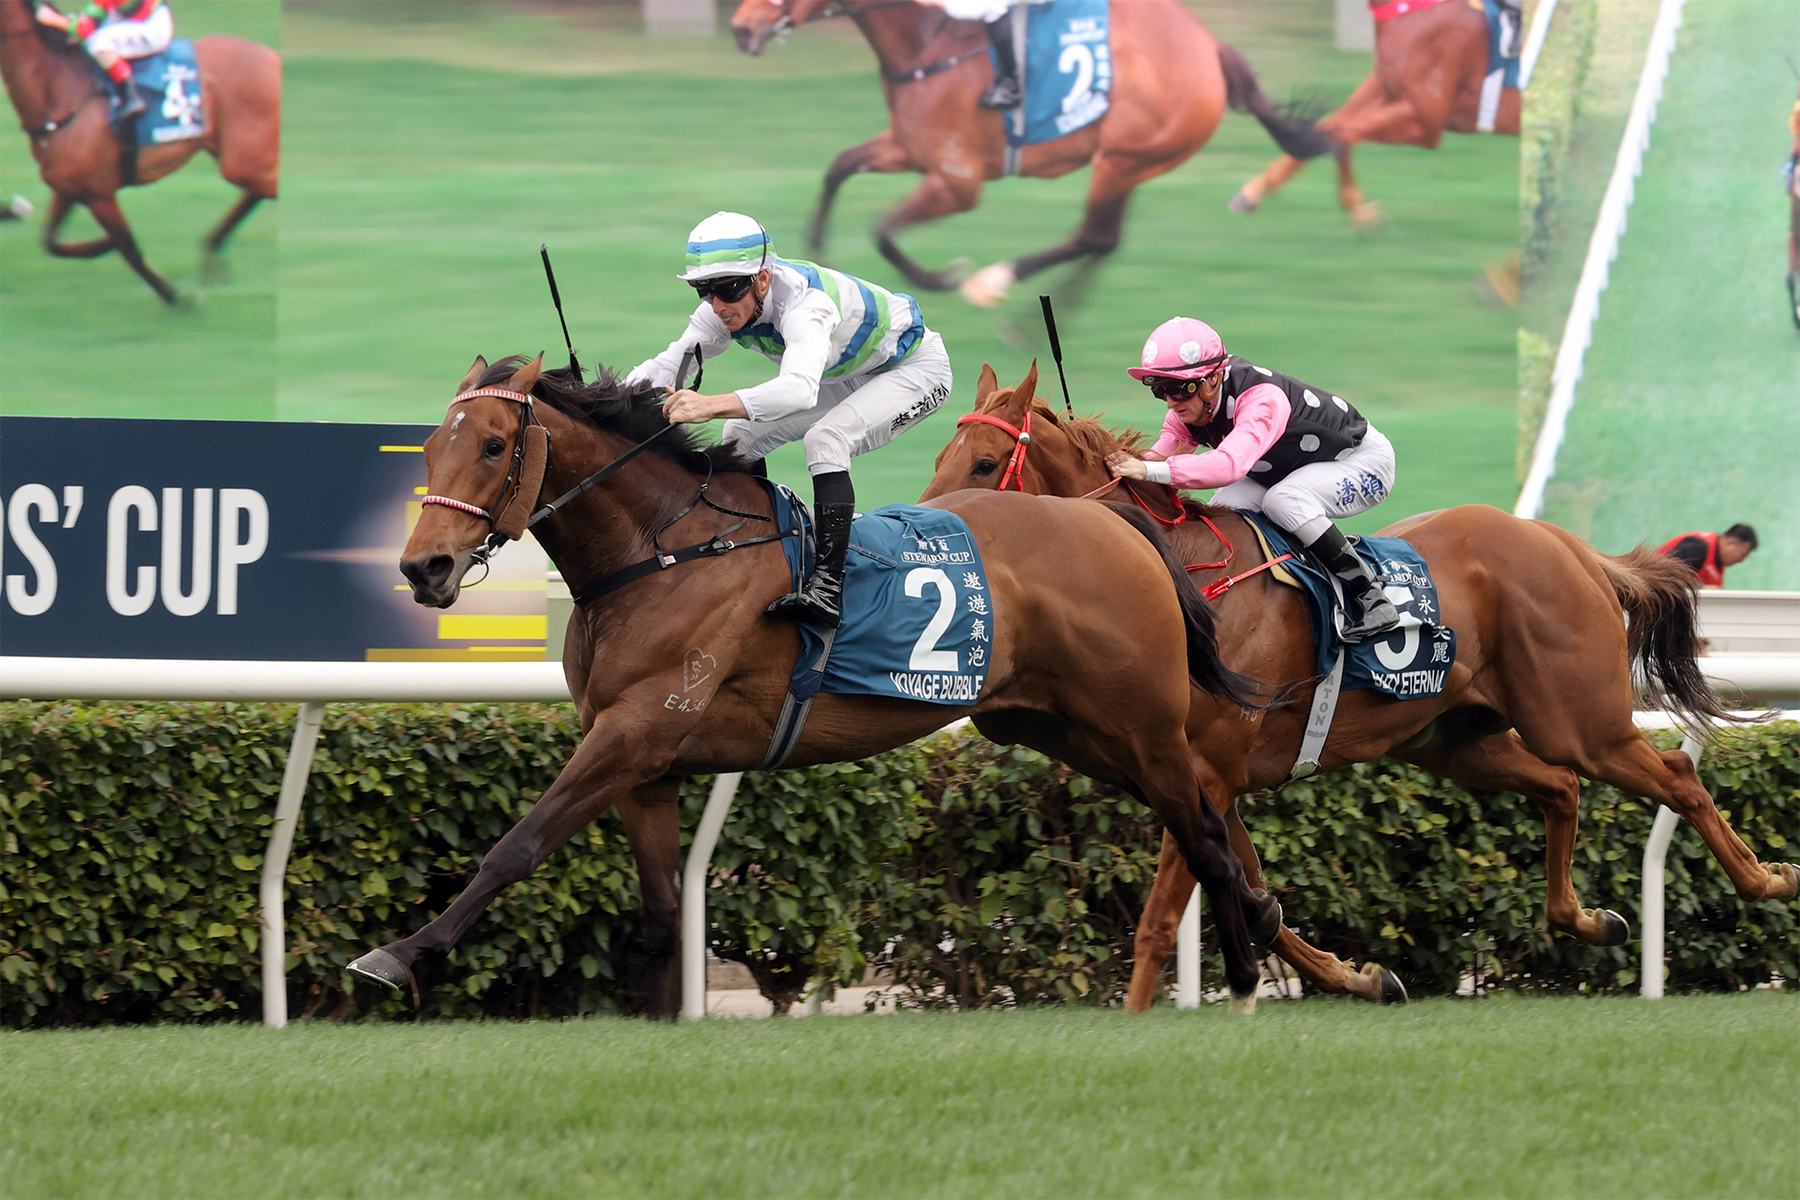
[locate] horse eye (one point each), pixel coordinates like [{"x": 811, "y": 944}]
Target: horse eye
[
  {"x": 985, "y": 467},
  {"x": 493, "y": 447}
]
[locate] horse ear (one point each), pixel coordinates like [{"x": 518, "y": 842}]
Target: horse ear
[
  {"x": 1028, "y": 386},
  {"x": 473, "y": 376},
  {"x": 985, "y": 385},
  {"x": 526, "y": 376}
]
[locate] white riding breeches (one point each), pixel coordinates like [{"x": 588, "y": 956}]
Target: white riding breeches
[
  {"x": 134, "y": 39},
  {"x": 855, "y": 416},
  {"x": 1306, "y": 500}
]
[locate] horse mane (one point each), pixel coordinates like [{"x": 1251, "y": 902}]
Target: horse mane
[{"x": 629, "y": 410}]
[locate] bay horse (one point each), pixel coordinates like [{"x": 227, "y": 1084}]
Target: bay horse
[
  {"x": 1541, "y": 689},
  {"x": 1092, "y": 666},
  {"x": 64, "y": 112},
  {"x": 1430, "y": 61},
  {"x": 1171, "y": 84}
]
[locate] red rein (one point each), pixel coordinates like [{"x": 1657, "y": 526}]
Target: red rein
[{"x": 1015, "y": 475}]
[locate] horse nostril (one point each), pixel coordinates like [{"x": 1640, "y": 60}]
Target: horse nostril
[{"x": 429, "y": 572}]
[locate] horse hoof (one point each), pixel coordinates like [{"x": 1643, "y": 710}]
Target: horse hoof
[
  {"x": 378, "y": 966},
  {"x": 1266, "y": 929},
  {"x": 1790, "y": 872},
  {"x": 215, "y": 269},
  {"x": 988, "y": 286},
  {"x": 1392, "y": 990},
  {"x": 1244, "y": 1006},
  {"x": 1617, "y": 928},
  {"x": 1366, "y": 216},
  {"x": 1243, "y": 202}
]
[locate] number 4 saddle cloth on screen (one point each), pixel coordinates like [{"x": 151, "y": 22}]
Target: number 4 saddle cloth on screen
[{"x": 918, "y": 621}]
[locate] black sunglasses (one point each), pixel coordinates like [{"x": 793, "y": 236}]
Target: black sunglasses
[
  {"x": 1164, "y": 388},
  {"x": 730, "y": 289}
]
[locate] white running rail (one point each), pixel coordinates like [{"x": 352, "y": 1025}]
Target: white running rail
[
  {"x": 1603, "y": 247},
  {"x": 1534, "y": 41}
]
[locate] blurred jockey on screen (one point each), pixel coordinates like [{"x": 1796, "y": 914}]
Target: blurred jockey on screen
[
  {"x": 857, "y": 367},
  {"x": 114, "y": 32},
  {"x": 1299, "y": 455}
]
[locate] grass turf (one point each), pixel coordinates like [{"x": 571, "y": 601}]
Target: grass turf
[
  {"x": 426, "y": 158},
  {"x": 1685, "y": 416},
  {"x": 1500, "y": 1097},
  {"x": 89, "y": 338}
]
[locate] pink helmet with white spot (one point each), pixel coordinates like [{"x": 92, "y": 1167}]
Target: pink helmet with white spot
[{"x": 1181, "y": 348}]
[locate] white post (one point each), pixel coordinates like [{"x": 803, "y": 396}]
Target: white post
[
  {"x": 1534, "y": 41},
  {"x": 693, "y": 895},
  {"x": 275, "y": 860},
  {"x": 1656, "y": 851},
  {"x": 1187, "y": 955}
]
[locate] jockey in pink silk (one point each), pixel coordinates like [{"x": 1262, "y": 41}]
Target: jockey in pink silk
[
  {"x": 1297, "y": 454},
  {"x": 115, "y": 32}
]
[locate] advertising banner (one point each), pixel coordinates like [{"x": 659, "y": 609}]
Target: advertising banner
[{"x": 235, "y": 540}]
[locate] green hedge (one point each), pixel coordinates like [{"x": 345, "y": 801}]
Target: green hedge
[{"x": 978, "y": 875}]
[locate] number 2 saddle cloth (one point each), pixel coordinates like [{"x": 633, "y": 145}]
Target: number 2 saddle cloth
[
  {"x": 1409, "y": 662},
  {"x": 1068, "y": 69},
  {"x": 918, "y": 622}
]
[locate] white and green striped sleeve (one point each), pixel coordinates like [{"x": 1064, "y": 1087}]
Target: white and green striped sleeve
[
  {"x": 806, "y": 327},
  {"x": 704, "y": 330}
]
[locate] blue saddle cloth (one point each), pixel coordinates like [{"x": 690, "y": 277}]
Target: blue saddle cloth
[
  {"x": 1496, "y": 61},
  {"x": 1413, "y": 660},
  {"x": 917, "y": 622},
  {"x": 170, "y": 85},
  {"x": 1068, "y": 71}
]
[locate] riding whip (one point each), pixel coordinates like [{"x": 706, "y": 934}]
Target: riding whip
[
  {"x": 556, "y": 299},
  {"x": 1056, "y": 352}
]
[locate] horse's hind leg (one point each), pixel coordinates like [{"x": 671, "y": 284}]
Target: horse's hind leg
[
  {"x": 60, "y": 207},
  {"x": 112, "y": 219},
  {"x": 1500, "y": 762},
  {"x": 1631, "y": 764},
  {"x": 652, "y": 819},
  {"x": 880, "y": 153}
]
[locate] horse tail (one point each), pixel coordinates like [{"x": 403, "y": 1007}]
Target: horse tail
[
  {"x": 1660, "y": 595},
  {"x": 1295, "y": 136},
  {"x": 1205, "y": 668}
]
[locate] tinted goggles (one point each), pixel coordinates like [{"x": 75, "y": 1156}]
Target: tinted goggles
[
  {"x": 1165, "y": 388},
  {"x": 730, "y": 289}
]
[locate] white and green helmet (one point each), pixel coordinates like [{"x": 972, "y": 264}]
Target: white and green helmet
[{"x": 725, "y": 244}]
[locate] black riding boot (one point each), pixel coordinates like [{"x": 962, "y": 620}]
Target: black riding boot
[
  {"x": 131, "y": 101},
  {"x": 1333, "y": 551},
  {"x": 1006, "y": 92},
  {"x": 1512, "y": 27},
  {"x": 820, "y": 601}
]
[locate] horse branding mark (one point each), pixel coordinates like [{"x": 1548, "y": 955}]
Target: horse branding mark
[{"x": 697, "y": 669}]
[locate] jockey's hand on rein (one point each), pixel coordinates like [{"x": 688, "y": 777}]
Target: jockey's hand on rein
[{"x": 1125, "y": 466}]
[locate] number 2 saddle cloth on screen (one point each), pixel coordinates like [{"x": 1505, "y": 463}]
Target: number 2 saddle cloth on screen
[
  {"x": 1068, "y": 69},
  {"x": 918, "y": 623},
  {"x": 1411, "y": 661}
]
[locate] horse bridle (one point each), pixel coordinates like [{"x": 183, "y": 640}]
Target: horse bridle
[
  {"x": 786, "y": 24},
  {"x": 526, "y": 478},
  {"x": 1021, "y": 435}
]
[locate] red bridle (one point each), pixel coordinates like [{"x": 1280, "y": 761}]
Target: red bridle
[{"x": 1021, "y": 435}]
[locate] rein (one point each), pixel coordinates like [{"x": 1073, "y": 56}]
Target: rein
[
  {"x": 531, "y": 462},
  {"x": 1218, "y": 587},
  {"x": 1021, "y": 435},
  {"x": 786, "y": 24}
]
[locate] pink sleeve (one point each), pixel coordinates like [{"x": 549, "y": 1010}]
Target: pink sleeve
[
  {"x": 1258, "y": 423},
  {"x": 1172, "y": 437}
]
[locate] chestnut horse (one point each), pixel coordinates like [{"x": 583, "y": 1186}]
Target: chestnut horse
[
  {"x": 1429, "y": 67},
  {"x": 1084, "y": 611},
  {"x": 1171, "y": 84},
  {"x": 64, "y": 111},
  {"x": 1541, "y": 689}
]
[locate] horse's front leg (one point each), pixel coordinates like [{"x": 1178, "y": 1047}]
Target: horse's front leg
[
  {"x": 940, "y": 195},
  {"x": 652, "y": 818},
  {"x": 881, "y": 153},
  {"x": 614, "y": 761},
  {"x": 61, "y": 205}
]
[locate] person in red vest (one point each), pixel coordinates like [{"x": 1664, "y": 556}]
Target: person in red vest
[{"x": 1710, "y": 553}]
